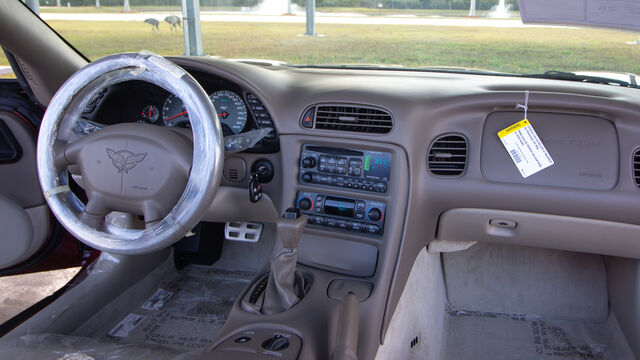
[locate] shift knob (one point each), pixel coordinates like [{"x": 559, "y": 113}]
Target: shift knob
[
  {"x": 292, "y": 213},
  {"x": 290, "y": 227}
]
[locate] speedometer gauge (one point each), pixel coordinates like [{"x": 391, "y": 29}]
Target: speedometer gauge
[
  {"x": 231, "y": 109},
  {"x": 174, "y": 113}
]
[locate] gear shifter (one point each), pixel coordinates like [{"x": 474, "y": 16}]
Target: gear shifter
[{"x": 285, "y": 286}]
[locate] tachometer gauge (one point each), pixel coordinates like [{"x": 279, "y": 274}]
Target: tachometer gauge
[
  {"x": 174, "y": 113},
  {"x": 150, "y": 114},
  {"x": 231, "y": 109}
]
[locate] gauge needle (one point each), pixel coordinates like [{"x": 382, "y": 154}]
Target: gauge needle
[
  {"x": 224, "y": 114},
  {"x": 175, "y": 116}
]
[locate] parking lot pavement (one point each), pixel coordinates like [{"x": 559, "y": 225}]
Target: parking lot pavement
[{"x": 18, "y": 292}]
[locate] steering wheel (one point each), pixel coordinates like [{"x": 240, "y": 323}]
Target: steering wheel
[{"x": 167, "y": 176}]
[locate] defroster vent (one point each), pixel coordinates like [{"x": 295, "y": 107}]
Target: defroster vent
[
  {"x": 636, "y": 167},
  {"x": 448, "y": 155},
  {"x": 354, "y": 118}
]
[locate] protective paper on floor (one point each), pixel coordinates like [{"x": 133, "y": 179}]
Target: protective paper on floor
[
  {"x": 191, "y": 317},
  {"x": 486, "y": 335},
  {"x": 66, "y": 347}
]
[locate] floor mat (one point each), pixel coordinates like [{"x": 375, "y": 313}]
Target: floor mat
[
  {"x": 515, "y": 279},
  {"x": 184, "y": 313},
  {"x": 487, "y": 335}
]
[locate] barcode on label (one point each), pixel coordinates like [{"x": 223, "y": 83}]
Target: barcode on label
[{"x": 515, "y": 156}]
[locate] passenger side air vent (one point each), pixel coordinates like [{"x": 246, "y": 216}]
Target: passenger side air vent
[
  {"x": 636, "y": 167},
  {"x": 448, "y": 155},
  {"x": 352, "y": 118}
]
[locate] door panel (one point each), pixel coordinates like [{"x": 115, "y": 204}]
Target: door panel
[{"x": 24, "y": 216}]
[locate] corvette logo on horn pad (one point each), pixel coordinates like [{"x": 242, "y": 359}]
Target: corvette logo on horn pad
[{"x": 125, "y": 160}]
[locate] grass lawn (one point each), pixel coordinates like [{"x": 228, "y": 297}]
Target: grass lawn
[
  {"x": 519, "y": 50},
  {"x": 366, "y": 11}
]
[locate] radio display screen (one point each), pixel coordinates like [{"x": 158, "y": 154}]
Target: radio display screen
[
  {"x": 377, "y": 165},
  {"x": 339, "y": 206}
]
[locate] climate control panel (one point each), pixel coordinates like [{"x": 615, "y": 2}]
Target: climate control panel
[
  {"x": 361, "y": 170},
  {"x": 347, "y": 214}
]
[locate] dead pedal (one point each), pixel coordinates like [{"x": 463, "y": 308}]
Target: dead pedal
[{"x": 243, "y": 231}]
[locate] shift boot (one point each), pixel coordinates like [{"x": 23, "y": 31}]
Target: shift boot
[{"x": 285, "y": 286}]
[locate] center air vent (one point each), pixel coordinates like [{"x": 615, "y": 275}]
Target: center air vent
[
  {"x": 636, "y": 167},
  {"x": 353, "y": 118},
  {"x": 448, "y": 155}
]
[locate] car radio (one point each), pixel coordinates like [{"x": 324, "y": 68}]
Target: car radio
[
  {"x": 363, "y": 216},
  {"x": 361, "y": 170}
]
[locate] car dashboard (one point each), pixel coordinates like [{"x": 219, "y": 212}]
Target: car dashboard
[{"x": 385, "y": 162}]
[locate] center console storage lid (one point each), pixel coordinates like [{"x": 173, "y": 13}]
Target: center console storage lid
[{"x": 338, "y": 255}]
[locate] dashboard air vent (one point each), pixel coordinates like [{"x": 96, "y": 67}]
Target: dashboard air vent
[
  {"x": 448, "y": 155},
  {"x": 353, "y": 118},
  {"x": 636, "y": 167}
]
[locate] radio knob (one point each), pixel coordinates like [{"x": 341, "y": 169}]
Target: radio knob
[
  {"x": 374, "y": 214},
  {"x": 304, "y": 204},
  {"x": 308, "y": 162},
  {"x": 307, "y": 177}
]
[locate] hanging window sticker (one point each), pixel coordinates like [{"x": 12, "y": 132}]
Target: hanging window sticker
[{"x": 525, "y": 148}]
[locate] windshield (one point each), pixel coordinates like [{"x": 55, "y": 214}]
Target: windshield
[{"x": 407, "y": 33}]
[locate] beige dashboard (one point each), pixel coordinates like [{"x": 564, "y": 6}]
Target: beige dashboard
[{"x": 584, "y": 202}]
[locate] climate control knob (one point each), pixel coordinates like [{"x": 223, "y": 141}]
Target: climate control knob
[
  {"x": 308, "y": 162},
  {"x": 374, "y": 214},
  {"x": 307, "y": 177},
  {"x": 305, "y": 203}
]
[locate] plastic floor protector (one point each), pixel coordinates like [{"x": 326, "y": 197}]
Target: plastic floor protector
[
  {"x": 486, "y": 335},
  {"x": 183, "y": 314},
  {"x": 65, "y": 347}
]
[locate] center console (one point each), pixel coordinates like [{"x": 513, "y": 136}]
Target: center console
[{"x": 359, "y": 172}]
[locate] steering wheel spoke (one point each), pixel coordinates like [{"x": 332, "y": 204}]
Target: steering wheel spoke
[{"x": 94, "y": 212}]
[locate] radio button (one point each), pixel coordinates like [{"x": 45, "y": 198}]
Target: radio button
[
  {"x": 360, "y": 205},
  {"x": 372, "y": 229},
  {"x": 307, "y": 177},
  {"x": 359, "y": 214},
  {"x": 318, "y": 220},
  {"x": 330, "y": 222},
  {"x": 341, "y": 224},
  {"x": 308, "y": 162},
  {"x": 356, "y": 226}
]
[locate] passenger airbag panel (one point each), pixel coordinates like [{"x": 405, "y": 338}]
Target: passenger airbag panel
[{"x": 584, "y": 150}]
